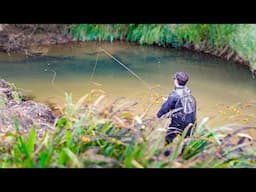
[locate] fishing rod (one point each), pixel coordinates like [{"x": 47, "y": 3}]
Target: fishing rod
[
  {"x": 129, "y": 70},
  {"x": 133, "y": 73},
  {"x": 94, "y": 67}
]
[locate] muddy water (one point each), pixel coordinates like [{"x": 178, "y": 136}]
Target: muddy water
[{"x": 225, "y": 92}]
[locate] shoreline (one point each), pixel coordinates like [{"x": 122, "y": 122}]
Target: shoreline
[{"x": 22, "y": 41}]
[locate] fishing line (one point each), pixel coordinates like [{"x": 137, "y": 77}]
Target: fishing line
[
  {"x": 53, "y": 79},
  {"x": 54, "y": 76},
  {"x": 94, "y": 67},
  {"x": 133, "y": 73},
  {"x": 158, "y": 97},
  {"x": 129, "y": 70}
]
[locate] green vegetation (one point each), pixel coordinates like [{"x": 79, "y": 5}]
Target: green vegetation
[
  {"x": 86, "y": 136},
  {"x": 224, "y": 40},
  {"x": 245, "y": 43}
]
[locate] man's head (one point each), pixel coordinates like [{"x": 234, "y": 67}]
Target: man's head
[{"x": 181, "y": 78}]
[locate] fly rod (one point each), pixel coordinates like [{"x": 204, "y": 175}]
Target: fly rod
[{"x": 133, "y": 73}]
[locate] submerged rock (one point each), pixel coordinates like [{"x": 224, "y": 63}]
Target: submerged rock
[{"x": 27, "y": 114}]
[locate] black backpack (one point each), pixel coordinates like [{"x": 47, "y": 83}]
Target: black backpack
[{"x": 188, "y": 103}]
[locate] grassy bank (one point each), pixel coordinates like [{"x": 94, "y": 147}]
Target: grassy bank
[
  {"x": 229, "y": 41},
  {"x": 88, "y": 136}
]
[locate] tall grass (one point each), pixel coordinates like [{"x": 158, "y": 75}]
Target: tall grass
[
  {"x": 90, "y": 136},
  {"x": 244, "y": 42},
  {"x": 225, "y": 38}
]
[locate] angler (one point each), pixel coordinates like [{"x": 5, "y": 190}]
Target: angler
[{"x": 180, "y": 107}]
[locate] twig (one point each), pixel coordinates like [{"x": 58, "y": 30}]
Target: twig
[
  {"x": 98, "y": 100},
  {"x": 229, "y": 136},
  {"x": 112, "y": 105}
]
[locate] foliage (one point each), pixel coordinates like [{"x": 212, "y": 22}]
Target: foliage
[
  {"x": 244, "y": 42},
  {"x": 239, "y": 38},
  {"x": 89, "y": 136}
]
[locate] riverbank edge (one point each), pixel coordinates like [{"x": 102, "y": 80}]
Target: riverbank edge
[{"x": 33, "y": 44}]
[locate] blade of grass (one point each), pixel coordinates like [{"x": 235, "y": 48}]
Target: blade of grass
[
  {"x": 73, "y": 157},
  {"x": 31, "y": 142},
  {"x": 179, "y": 145}
]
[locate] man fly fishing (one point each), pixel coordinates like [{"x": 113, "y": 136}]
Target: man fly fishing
[
  {"x": 180, "y": 102},
  {"x": 180, "y": 107}
]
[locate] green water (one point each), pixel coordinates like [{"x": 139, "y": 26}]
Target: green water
[{"x": 69, "y": 68}]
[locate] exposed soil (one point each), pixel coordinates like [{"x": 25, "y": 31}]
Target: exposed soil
[
  {"x": 27, "y": 113},
  {"x": 31, "y": 38}
]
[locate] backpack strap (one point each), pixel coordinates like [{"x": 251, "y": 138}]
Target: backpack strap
[
  {"x": 168, "y": 115},
  {"x": 176, "y": 110}
]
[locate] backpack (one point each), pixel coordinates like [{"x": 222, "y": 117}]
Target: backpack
[{"x": 187, "y": 101}]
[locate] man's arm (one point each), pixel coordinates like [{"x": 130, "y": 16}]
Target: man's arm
[{"x": 168, "y": 105}]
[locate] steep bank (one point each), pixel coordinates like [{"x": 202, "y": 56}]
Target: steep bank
[
  {"x": 29, "y": 39},
  {"x": 226, "y": 53}
]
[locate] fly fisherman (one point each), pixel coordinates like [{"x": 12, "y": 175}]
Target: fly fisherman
[{"x": 182, "y": 107}]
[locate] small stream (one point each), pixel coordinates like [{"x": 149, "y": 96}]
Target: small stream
[{"x": 216, "y": 84}]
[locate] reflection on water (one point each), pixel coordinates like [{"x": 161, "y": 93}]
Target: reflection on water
[{"x": 69, "y": 68}]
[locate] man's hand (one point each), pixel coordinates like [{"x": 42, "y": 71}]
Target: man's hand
[
  {"x": 164, "y": 98},
  {"x": 155, "y": 118}
]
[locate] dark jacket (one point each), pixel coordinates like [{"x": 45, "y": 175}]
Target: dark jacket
[{"x": 179, "y": 120}]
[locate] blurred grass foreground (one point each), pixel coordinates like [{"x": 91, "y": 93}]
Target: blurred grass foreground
[{"x": 88, "y": 135}]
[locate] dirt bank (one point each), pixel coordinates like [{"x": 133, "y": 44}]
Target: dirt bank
[
  {"x": 29, "y": 39},
  {"x": 27, "y": 113},
  {"x": 225, "y": 53}
]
